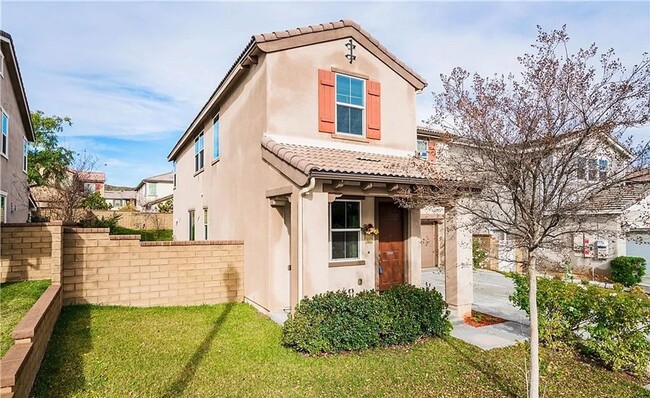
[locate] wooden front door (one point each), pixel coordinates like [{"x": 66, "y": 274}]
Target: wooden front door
[{"x": 390, "y": 221}]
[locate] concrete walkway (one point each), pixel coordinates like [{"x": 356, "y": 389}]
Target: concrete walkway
[{"x": 491, "y": 292}]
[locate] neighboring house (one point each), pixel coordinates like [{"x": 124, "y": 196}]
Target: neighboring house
[
  {"x": 121, "y": 198},
  {"x": 621, "y": 213},
  {"x": 93, "y": 181},
  {"x": 54, "y": 203},
  {"x": 17, "y": 131},
  {"x": 153, "y": 190},
  {"x": 305, "y": 141}
]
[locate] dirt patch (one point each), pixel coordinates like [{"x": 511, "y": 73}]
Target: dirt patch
[{"x": 479, "y": 319}]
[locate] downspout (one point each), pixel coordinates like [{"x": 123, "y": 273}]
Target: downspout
[{"x": 304, "y": 191}]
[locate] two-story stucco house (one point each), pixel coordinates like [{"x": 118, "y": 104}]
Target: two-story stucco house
[
  {"x": 17, "y": 131},
  {"x": 298, "y": 152},
  {"x": 153, "y": 190}
]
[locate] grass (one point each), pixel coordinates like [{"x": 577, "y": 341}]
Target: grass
[
  {"x": 231, "y": 350},
  {"x": 145, "y": 234},
  {"x": 16, "y": 298}
]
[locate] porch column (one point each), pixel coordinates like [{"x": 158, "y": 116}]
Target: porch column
[
  {"x": 414, "y": 242},
  {"x": 459, "y": 275}
]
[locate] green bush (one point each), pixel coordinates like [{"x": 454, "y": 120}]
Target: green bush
[
  {"x": 342, "y": 321},
  {"x": 628, "y": 271},
  {"x": 609, "y": 325},
  {"x": 478, "y": 254}
]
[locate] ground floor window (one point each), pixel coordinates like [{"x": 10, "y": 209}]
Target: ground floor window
[
  {"x": 345, "y": 229},
  {"x": 192, "y": 226},
  {"x": 3, "y": 208},
  {"x": 205, "y": 223}
]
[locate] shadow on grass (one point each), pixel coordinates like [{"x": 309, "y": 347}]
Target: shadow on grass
[
  {"x": 490, "y": 371},
  {"x": 186, "y": 375},
  {"x": 64, "y": 358}
]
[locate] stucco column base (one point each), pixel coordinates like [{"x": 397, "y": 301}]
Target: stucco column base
[
  {"x": 459, "y": 270},
  {"x": 461, "y": 311}
]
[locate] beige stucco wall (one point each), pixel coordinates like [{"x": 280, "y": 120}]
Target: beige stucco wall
[
  {"x": 13, "y": 181},
  {"x": 279, "y": 96},
  {"x": 293, "y": 94}
]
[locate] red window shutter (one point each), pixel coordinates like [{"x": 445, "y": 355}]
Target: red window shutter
[
  {"x": 373, "y": 110},
  {"x": 326, "y": 101},
  {"x": 432, "y": 151},
  {"x": 98, "y": 187}
]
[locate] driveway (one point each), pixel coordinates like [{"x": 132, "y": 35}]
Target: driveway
[{"x": 491, "y": 292}]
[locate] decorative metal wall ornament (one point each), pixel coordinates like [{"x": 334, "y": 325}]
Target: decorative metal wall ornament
[{"x": 351, "y": 46}]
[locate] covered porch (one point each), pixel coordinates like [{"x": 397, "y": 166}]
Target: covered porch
[{"x": 338, "y": 227}]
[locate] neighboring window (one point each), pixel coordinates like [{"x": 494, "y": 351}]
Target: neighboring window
[
  {"x": 2, "y": 65},
  {"x": 5, "y": 133},
  {"x": 215, "y": 138},
  {"x": 89, "y": 187},
  {"x": 345, "y": 229},
  {"x": 3, "y": 207},
  {"x": 174, "y": 173},
  {"x": 205, "y": 223},
  {"x": 423, "y": 149},
  {"x": 25, "y": 149},
  {"x": 199, "y": 149},
  {"x": 593, "y": 169},
  {"x": 349, "y": 104},
  {"x": 152, "y": 189},
  {"x": 192, "y": 226}
]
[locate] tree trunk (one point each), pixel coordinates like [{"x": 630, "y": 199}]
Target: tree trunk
[{"x": 534, "y": 331}]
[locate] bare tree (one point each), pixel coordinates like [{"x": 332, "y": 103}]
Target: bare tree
[
  {"x": 65, "y": 196},
  {"x": 533, "y": 143}
]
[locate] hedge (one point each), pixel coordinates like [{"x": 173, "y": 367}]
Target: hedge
[
  {"x": 609, "y": 325},
  {"x": 628, "y": 271},
  {"x": 343, "y": 321}
]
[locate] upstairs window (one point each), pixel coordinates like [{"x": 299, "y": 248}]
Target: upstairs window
[
  {"x": 152, "y": 189},
  {"x": 215, "y": 138},
  {"x": 593, "y": 169},
  {"x": 199, "y": 149},
  {"x": 174, "y": 174},
  {"x": 3, "y": 207},
  {"x": 5, "y": 133},
  {"x": 423, "y": 149},
  {"x": 2, "y": 65},
  {"x": 350, "y": 105},
  {"x": 345, "y": 229},
  {"x": 89, "y": 187},
  {"x": 25, "y": 150}
]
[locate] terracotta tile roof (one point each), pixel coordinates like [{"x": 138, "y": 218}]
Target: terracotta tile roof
[
  {"x": 619, "y": 198},
  {"x": 126, "y": 194},
  {"x": 92, "y": 176},
  {"x": 311, "y": 160}
]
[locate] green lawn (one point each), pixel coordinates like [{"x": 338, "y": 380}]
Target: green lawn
[
  {"x": 231, "y": 350},
  {"x": 16, "y": 298}
]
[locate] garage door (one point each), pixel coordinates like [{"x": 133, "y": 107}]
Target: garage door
[{"x": 638, "y": 245}]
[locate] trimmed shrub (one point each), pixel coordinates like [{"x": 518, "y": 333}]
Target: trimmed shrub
[
  {"x": 628, "y": 271},
  {"x": 342, "y": 321},
  {"x": 608, "y": 325}
]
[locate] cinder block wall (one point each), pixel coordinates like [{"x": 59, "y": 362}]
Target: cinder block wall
[
  {"x": 27, "y": 250},
  {"x": 139, "y": 220},
  {"x": 121, "y": 270}
]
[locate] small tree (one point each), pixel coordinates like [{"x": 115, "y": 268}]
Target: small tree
[
  {"x": 95, "y": 201},
  {"x": 48, "y": 161},
  {"x": 529, "y": 141}
]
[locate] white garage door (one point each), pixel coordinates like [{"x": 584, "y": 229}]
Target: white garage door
[{"x": 638, "y": 245}]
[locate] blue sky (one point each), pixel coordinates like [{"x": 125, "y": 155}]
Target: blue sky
[{"x": 132, "y": 75}]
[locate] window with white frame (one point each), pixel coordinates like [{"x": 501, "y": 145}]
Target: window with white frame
[
  {"x": 5, "y": 133},
  {"x": 174, "y": 174},
  {"x": 2, "y": 65},
  {"x": 215, "y": 138},
  {"x": 152, "y": 189},
  {"x": 199, "y": 150},
  {"x": 205, "y": 223},
  {"x": 25, "y": 150},
  {"x": 192, "y": 225},
  {"x": 350, "y": 105},
  {"x": 89, "y": 187},
  {"x": 423, "y": 149},
  {"x": 3, "y": 207},
  {"x": 593, "y": 169},
  {"x": 345, "y": 229}
]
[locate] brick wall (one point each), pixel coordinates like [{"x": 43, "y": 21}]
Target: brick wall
[
  {"x": 28, "y": 252},
  {"x": 139, "y": 220},
  {"x": 121, "y": 270},
  {"x": 19, "y": 366}
]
